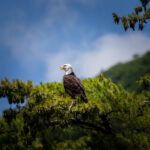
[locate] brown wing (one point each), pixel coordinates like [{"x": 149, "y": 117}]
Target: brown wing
[{"x": 74, "y": 86}]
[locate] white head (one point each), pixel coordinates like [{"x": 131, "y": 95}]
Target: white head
[{"x": 67, "y": 67}]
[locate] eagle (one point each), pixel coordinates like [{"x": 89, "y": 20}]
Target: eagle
[{"x": 72, "y": 84}]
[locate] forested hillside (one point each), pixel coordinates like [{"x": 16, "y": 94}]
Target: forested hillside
[
  {"x": 128, "y": 73},
  {"x": 113, "y": 118}
]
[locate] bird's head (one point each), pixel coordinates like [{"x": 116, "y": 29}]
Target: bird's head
[{"x": 67, "y": 67}]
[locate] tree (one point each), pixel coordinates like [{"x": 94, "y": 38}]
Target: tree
[
  {"x": 140, "y": 16},
  {"x": 112, "y": 119}
]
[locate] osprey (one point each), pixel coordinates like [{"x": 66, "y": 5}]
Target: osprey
[{"x": 72, "y": 84}]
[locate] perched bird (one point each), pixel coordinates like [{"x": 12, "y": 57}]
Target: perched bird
[{"x": 72, "y": 84}]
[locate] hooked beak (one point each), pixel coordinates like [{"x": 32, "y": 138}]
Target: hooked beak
[{"x": 62, "y": 67}]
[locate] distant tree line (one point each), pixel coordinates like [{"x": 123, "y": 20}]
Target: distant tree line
[{"x": 128, "y": 73}]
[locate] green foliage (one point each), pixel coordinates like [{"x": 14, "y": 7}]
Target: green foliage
[
  {"x": 16, "y": 92},
  {"x": 80, "y": 144},
  {"x": 112, "y": 119},
  {"x": 128, "y": 73},
  {"x": 145, "y": 82},
  {"x": 10, "y": 134},
  {"x": 140, "y": 16},
  {"x": 145, "y": 3}
]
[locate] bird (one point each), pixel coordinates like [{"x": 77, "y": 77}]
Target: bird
[{"x": 72, "y": 84}]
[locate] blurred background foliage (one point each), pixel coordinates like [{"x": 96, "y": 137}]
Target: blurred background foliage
[
  {"x": 128, "y": 73},
  {"x": 113, "y": 118},
  {"x": 137, "y": 19}
]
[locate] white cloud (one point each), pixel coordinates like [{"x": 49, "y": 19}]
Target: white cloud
[
  {"x": 27, "y": 42},
  {"x": 100, "y": 54},
  {"x": 33, "y": 43}
]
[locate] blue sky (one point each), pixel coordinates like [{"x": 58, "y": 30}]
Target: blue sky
[{"x": 37, "y": 36}]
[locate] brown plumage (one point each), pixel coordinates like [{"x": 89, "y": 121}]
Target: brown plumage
[
  {"x": 74, "y": 87},
  {"x": 72, "y": 84}
]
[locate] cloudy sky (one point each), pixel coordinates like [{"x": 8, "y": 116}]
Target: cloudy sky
[{"x": 37, "y": 36}]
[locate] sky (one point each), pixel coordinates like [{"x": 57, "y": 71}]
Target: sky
[{"x": 37, "y": 36}]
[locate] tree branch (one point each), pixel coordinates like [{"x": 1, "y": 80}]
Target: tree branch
[{"x": 83, "y": 123}]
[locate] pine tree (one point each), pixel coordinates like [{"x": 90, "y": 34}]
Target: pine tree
[
  {"x": 112, "y": 119},
  {"x": 139, "y": 16}
]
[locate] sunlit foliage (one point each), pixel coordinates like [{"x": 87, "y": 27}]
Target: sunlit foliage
[{"x": 112, "y": 119}]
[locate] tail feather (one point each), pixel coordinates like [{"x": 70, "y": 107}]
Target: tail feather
[{"x": 84, "y": 98}]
